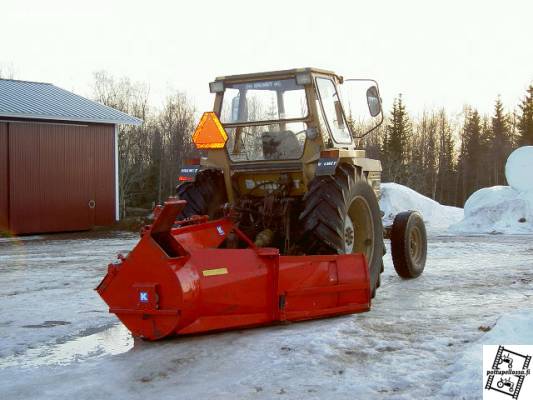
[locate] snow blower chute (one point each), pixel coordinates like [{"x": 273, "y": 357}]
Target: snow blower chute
[{"x": 175, "y": 281}]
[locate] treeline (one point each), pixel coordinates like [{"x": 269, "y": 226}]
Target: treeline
[
  {"x": 448, "y": 159},
  {"x": 441, "y": 157},
  {"x": 149, "y": 154}
]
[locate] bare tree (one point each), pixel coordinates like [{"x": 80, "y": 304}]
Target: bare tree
[
  {"x": 133, "y": 141},
  {"x": 150, "y": 155},
  {"x": 176, "y": 123}
]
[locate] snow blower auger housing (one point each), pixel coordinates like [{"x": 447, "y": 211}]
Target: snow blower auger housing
[
  {"x": 277, "y": 220},
  {"x": 176, "y": 281}
]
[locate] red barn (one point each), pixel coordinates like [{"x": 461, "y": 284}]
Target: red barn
[{"x": 58, "y": 159}]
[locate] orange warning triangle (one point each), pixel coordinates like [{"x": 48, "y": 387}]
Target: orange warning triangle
[{"x": 210, "y": 133}]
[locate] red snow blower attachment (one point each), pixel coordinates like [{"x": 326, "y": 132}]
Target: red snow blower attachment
[{"x": 181, "y": 280}]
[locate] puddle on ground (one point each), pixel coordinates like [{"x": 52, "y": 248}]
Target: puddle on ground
[{"x": 111, "y": 341}]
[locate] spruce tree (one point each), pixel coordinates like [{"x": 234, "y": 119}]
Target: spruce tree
[
  {"x": 486, "y": 166},
  {"x": 470, "y": 157},
  {"x": 395, "y": 143},
  {"x": 500, "y": 143},
  {"x": 525, "y": 119},
  {"x": 446, "y": 165}
]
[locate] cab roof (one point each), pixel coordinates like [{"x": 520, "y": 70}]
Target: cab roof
[{"x": 276, "y": 74}]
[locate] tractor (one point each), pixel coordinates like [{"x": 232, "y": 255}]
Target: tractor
[
  {"x": 278, "y": 218},
  {"x": 287, "y": 161}
]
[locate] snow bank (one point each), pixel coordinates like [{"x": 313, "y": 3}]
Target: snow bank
[
  {"x": 503, "y": 209},
  {"x": 466, "y": 374},
  {"x": 497, "y": 209},
  {"x": 396, "y": 198}
]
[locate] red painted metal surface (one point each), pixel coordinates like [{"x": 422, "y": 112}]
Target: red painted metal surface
[
  {"x": 4, "y": 182},
  {"x": 61, "y": 177},
  {"x": 176, "y": 281}
]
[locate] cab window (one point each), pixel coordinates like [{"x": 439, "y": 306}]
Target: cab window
[{"x": 332, "y": 107}]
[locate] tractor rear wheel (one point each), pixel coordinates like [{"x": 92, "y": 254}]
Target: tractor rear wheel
[
  {"x": 205, "y": 195},
  {"x": 341, "y": 215}
]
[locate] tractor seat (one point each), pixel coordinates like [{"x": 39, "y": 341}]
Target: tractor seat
[{"x": 280, "y": 145}]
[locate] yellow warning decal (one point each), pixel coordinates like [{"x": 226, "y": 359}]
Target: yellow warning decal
[{"x": 216, "y": 271}]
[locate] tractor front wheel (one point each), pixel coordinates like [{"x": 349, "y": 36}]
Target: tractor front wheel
[{"x": 409, "y": 244}]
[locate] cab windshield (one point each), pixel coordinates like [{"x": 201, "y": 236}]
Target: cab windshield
[{"x": 264, "y": 119}]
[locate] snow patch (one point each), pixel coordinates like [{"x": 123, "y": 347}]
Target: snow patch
[
  {"x": 497, "y": 209},
  {"x": 466, "y": 374},
  {"x": 396, "y": 198}
]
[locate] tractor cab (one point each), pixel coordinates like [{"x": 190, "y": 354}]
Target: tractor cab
[
  {"x": 278, "y": 130},
  {"x": 288, "y": 115}
]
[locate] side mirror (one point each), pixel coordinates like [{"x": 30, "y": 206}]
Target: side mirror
[
  {"x": 373, "y": 101},
  {"x": 362, "y": 105}
]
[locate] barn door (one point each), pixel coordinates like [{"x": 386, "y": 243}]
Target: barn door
[
  {"x": 61, "y": 176},
  {"x": 51, "y": 179},
  {"x": 65, "y": 177}
]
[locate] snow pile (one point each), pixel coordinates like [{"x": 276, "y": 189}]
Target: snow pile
[
  {"x": 503, "y": 209},
  {"x": 498, "y": 209},
  {"x": 396, "y": 198},
  {"x": 466, "y": 374},
  {"x": 518, "y": 169}
]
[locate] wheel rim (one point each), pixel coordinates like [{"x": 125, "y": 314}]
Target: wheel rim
[
  {"x": 360, "y": 217},
  {"x": 349, "y": 235},
  {"x": 415, "y": 245}
]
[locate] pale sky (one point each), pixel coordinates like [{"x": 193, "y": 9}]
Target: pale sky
[{"x": 437, "y": 53}]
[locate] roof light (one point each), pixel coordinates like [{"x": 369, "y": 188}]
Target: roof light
[
  {"x": 210, "y": 133},
  {"x": 303, "y": 78},
  {"x": 216, "y": 87}
]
